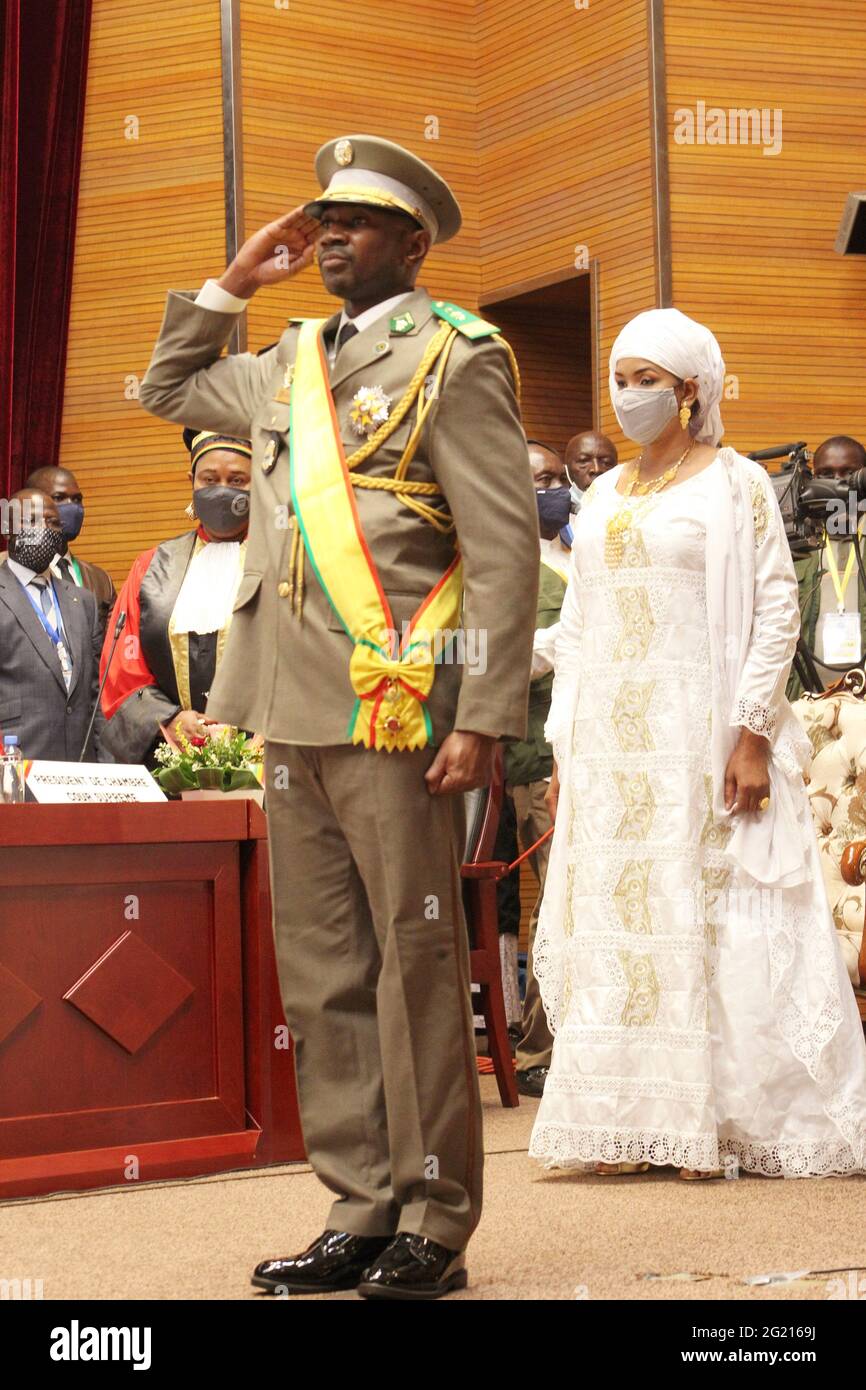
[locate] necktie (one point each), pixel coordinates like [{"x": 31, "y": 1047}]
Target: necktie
[
  {"x": 47, "y": 607},
  {"x": 45, "y": 603},
  {"x": 346, "y": 332},
  {"x": 65, "y": 569}
]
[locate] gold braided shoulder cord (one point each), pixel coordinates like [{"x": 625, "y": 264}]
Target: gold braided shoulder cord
[{"x": 407, "y": 491}]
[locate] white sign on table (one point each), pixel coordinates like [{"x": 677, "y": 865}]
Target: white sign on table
[{"x": 66, "y": 784}]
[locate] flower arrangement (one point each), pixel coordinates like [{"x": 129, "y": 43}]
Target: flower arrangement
[{"x": 227, "y": 761}]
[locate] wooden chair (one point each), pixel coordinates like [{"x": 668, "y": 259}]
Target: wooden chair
[{"x": 483, "y": 809}]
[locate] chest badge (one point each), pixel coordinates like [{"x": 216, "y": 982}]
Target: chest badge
[{"x": 370, "y": 409}]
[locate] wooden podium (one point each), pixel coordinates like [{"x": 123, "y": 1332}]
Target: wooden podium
[{"x": 141, "y": 1030}]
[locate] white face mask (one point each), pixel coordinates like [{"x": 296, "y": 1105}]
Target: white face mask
[
  {"x": 575, "y": 492},
  {"x": 643, "y": 412}
]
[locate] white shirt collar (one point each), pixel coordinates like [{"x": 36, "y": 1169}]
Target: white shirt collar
[
  {"x": 22, "y": 573},
  {"x": 377, "y": 311},
  {"x": 555, "y": 551},
  {"x": 54, "y": 568}
]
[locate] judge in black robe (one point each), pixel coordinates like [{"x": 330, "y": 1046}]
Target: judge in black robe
[{"x": 178, "y": 601}]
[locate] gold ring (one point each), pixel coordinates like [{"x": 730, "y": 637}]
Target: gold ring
[{"x": 763, "y": 803}]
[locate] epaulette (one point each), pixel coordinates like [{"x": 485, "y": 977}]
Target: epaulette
[{"x": 470, "y": 325}]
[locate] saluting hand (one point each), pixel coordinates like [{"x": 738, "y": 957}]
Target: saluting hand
[{"x": 274, "y": 253}]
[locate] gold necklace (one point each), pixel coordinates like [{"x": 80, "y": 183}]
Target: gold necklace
[
  {"x": 655, "y": 484},
  {"x": 622, "y": 520}
]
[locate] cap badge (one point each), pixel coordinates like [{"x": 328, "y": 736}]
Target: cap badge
[
  {"x": 343, "y": 152},
  {"x": 370, "y": 409}
]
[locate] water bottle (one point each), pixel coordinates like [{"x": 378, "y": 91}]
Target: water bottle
[{"x": 11, "y": 772}]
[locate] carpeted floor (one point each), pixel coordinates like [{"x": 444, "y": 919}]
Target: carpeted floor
[{"x": 542, "y": 1236}]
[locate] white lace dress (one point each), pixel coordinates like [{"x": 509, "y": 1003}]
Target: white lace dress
[{"x": 700, "y": 1020}]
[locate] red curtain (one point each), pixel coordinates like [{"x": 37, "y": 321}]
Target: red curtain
[{"x": 44, "y": 70}]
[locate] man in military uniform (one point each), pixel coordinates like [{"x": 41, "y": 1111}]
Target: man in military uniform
[{"x": 381, "y": 642}]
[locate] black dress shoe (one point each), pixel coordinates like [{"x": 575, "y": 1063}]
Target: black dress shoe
[
  {"x": 414, "y": 1267},
  {"x": 336, "y": 1260},
  {"x": 531, "y": 1082}
]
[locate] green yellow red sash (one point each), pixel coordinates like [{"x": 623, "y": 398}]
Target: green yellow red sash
[{"x": 391, "y": 678}]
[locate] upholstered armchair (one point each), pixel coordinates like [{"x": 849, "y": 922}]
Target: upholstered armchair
[{"x": 835, "y": 722}]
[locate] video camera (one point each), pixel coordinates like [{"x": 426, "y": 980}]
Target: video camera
[{"x": 812, "y": 507}]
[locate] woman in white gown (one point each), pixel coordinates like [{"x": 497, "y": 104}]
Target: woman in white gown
[{"x": 686, "y": 955}]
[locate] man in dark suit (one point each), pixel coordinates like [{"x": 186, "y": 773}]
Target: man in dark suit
[
  {"x": 49, "y": 640},
  {"x": 63, "y": 486}
]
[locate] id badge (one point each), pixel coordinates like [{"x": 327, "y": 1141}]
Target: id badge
[{"x": 841, "y": 637}]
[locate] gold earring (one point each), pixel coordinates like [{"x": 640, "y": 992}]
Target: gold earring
[
  {"x": 685, "y": 416},
  {"x": 189, "y": 509}
]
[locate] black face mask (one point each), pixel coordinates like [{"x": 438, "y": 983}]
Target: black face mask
[
  {"x": 35, "y": 547},
  {"x": 554, "y": 509},
  {"x": 221, "y": 510}
]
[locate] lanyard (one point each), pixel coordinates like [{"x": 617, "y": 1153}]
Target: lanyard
[
  {"x": 841, "y": 585},
  {"x": 53, "y": 629}
]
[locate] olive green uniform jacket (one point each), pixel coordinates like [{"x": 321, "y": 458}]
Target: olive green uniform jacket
[{"x": 288, "y": 678}]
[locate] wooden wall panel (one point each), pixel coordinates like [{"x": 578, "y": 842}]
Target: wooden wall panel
[
  {"x": 543, "y": 131},
  {"x": 753, "y": 234},
  {"x": 151, "y": 216},
  {"x": 565, "y": 157},
  {"x": 549, "y": 332}
]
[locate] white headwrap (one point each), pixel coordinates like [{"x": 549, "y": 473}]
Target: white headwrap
[{"x": 678, "y": 344}]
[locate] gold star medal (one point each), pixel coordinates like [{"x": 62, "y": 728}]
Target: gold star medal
[{"x": 370, "y": 409}]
